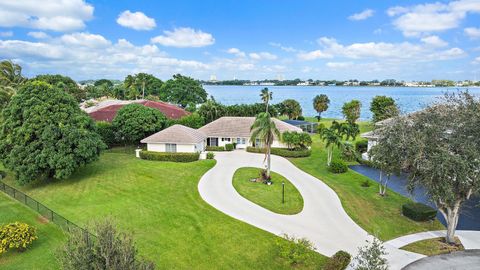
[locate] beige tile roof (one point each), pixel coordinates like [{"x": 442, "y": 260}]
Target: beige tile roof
[
  {"x": 176, "y": 134},
  {"x": 239, "y": 127}
]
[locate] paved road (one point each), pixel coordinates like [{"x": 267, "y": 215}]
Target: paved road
[
  {"x": 463, "y": 260},
  {"x": 322, "y": 220}
]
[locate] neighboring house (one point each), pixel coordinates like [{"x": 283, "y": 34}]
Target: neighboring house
[
  {"x": 176, "y": 138},
  {"x": 372, "y": 136},
  {"x": 107, "y": 110},
  {"x": 227, "y": 130}
]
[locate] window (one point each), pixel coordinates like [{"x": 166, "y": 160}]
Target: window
[
  {"x": 243, "y": 141},
  {"x": 238, "y": 141},
  {"x": 170, "y": 147},
  {"x": 225, "y": 139}
]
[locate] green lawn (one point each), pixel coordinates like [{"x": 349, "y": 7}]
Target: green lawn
[
  {"x": 269, "y": 197},
  {"x": 159, "y": 203},
  {"x": 435, "y": 246},
  {"x": 40, "y": 255},
  {"x": 378, "y": 215}
]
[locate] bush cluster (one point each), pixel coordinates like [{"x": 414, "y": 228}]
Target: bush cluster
[
  {"x": 16, "y": 235},
  {"x": 361, "y": 146},
  {"x": 339, "y": 261},
  {"x": 338, "y": 166},
  {"x": 106, "y": 131},
  {"x": 418, "y": 211},
  {"x": 283, "y": 152},
  {"x": 348, "y": 152},
  {"x": 3, "y": 174},
  {"x": 296, "y": 140},
  {"x": 166, "y": 156},
  {"x": 295, "y": 251},
  {"x": 229, "y": 147},
  {"x": 215, "y": 148},
  {"x": 210, "y": 155}
]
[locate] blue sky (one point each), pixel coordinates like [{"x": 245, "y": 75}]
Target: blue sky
[{"x": 407, "y": 40}]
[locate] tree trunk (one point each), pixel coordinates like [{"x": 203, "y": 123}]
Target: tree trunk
[
  {"x": 380, "y": 184},
  {"x": 268, "y": 161},
  {"x": 267, "y": 108},
  {"x": 143, "y": 90},
  {"x": 329, "y": 156},
  {"x": 451, "y": 216}
]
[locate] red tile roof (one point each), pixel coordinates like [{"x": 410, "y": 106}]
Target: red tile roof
[{"x": 109, "y": 112}]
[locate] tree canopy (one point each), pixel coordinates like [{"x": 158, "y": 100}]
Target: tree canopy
[
  {"x": 65, "y": 83},
  {"x": 351, "y": 110},
  {"x": 183, "y": 90},
  {"x": 439, "y": 147},
  {"x": 134, "y": 122},
  {"x": 141, "y": 85},
  {"x": 320, "y": 104},
  {"x": 383, "y": 107},
  {"x": 10, "y": 80},
  {"x": 45, "y": 134},
  {"x": 290, "y": 108}
]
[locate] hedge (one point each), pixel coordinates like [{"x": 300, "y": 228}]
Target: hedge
[
  {"x": 339, "y": 261},
  {"x": 361, "y": 146},
  {"x": 338, "y": 166},
  {"x": 284, "y": 152},
  {"x": 215, "y": 148},
  {"x": 229, "y": 147},
  {"x": 167, "y": 156},
  {"x": 210, "y": 155},
  {"x": 3, "y": 174},
  {"x": 418, "y": 211}
]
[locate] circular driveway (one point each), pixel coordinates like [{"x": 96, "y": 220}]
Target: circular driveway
[{"x": 462, "y": 260}]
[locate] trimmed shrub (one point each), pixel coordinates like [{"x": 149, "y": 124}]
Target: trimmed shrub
[
  {"x": 338, "y": 166},
  {"x": 16, "y": 235},
  {"x": 301, "y": 118},
  {"x": 167, "y": 156},
  {"x": 283, "y": 152},
  {"x": 106, "y": 131},
  {"x": 348, "y": 152},
  {"x": 229, "y": 147},
  {"x": 361, "y": 146},
  {"x": 210, "y": 155},
  {"x": 234, "y": 145},
  {"x": 418, "y": 211},
  {"x": 215, "y": 148},
  {"x": 339, "y": 261},
  {"x": 365, "y": 183},
  {"x": 295, "y": 251}
]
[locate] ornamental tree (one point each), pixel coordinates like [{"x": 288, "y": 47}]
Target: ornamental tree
[
  {"x": 134, "y": 122},
  {"x": 44, "y": 134},
  {"x": 290, "y": 108},
  {"x": 383, "y": 107},
  {"x": 351, "y": 111},
  {"x": 439, "y": 148},
  {"x": 183, "y": 90},
  {"x": 320, "y": 104}
]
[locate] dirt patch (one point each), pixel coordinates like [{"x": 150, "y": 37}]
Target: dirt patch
[{"x": 42, "y": 220}]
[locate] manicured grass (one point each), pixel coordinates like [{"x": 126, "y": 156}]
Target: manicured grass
[
  {"x": 435, "y": 246},
  {"x": 41, "y": 254},
  {"x": 378, "y": 215},
  {"x": 159, "y": 203},
  {"x": 268, "y": 196}
]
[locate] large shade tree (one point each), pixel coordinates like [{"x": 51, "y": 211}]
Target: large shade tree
[
  {"x": 291, "y": 108},
  {"x": 383, "y": 107},
  {"x": 65, "y": 83},
  {"x": 265, "y": 130},
  {"x": 351, "y": 111},
  {"x": 44, "y": 134},
  {"x": 183, "y": 90},
  {"x": 320, "y": 104},
  {"x": 134, "y": 122},
  {"x": 439, "y": 146},
  {"x": 141, "y": 85}
]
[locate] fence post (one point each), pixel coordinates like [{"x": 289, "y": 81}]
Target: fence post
[
  {"x": 14, "y": 194},
  {"x": 25, "y": 196},
  {"x": 51, "y": 213},
  {"x": 38, "y": 208}
]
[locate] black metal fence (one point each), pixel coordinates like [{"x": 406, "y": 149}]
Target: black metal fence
[{"x": 44, "y": 211}]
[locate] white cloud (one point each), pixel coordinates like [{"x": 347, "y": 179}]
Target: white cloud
[
  {"x": 434, "y": 41},
  {"x": 283, "y": 48},
  {"x": 472, "y": 32},
  {"x": 476, "y": 60},
  {"x": 313, "y": 55},
  {"x": 432, "y": 17},
  {"x": 184, "y": 37},
  {"x": 378, "y": 31},
  {"x": 339, "y": 64},
  {"x": 263, "y": 56},
  {"x": 38, "y": 35},
  {"x": 85, "y": 40},
  {"x": 236, "y": 52},
  {"x": 136, "y": 20},
  {"x": 367, "y": 13},
  {"x": 56, "y": 15},
  {"x": 6, "y": 34}
]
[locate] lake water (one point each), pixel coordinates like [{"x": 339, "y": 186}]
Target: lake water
[{"x": 409, "y": 99}]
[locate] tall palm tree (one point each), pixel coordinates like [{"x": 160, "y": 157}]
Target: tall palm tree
[
  {"x": 266, "y": 97},
  {"x": 320, "y": 104},
  {"x": 264, "y": 129},
  {"x": 332, "y": 137},
  {"x": 10, "y": 79}
]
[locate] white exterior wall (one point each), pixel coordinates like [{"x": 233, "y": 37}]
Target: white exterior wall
[
  {"x": 371, "y": 143},
  {"x": 278, "y": 144},
  {"x": 181, "y": 148},
  {"x": 200, "y": 147}
]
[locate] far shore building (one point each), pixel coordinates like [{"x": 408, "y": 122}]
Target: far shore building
[
  {"x": 106, "y": 110},
  {"x": 225, "y": 130}
]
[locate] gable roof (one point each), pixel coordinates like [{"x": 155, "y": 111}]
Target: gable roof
[
  {"x": 178, "y": 134},
  {"x": 107, "y": 110},
  {"x": 239, "y": 127}
]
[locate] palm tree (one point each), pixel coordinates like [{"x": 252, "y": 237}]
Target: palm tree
[
  {"x": 333, "y": 138},
  {"x": 131, "y": 86},
  {"x": 10, "y": 79},
  {"x": 266, "y": 97},
  {"x": 264, "y": 129},
  {"x": 320, "y": 104}
]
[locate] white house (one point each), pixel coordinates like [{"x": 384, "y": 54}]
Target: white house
[
  {"x": 176, "y": 138},
  {"x": 227, "y": 130},
  {"x": 372, "y": 136}
]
